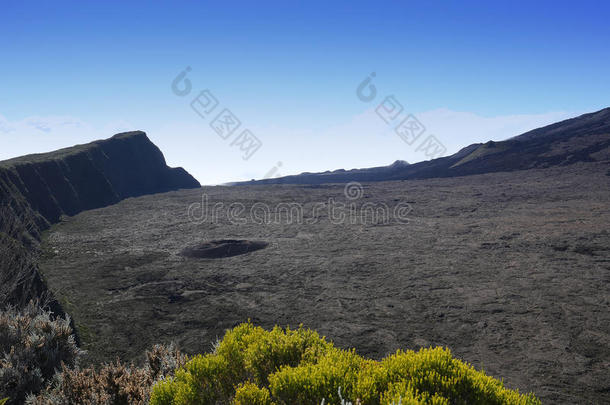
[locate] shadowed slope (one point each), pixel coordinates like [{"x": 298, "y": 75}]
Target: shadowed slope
[
  {"x": 89, "y": 176},
  {"x": 36, "y": 190}
]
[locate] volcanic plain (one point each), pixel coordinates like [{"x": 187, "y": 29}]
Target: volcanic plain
[{"x": 510, "y": 270}]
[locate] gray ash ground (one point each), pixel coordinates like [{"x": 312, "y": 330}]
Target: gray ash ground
[{"x": 509, "y": 270}]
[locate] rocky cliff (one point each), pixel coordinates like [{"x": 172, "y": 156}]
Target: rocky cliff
[
  {"x": 89, "y": 176},
  {"x": 36, "y": 190}
]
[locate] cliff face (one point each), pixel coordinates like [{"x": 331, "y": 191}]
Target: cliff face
[
  {"x": 91, "y": 176},
  {"x": 36, "y": 190}
]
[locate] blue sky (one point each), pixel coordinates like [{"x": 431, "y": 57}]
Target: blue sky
[{"x": 72, "y": 72}]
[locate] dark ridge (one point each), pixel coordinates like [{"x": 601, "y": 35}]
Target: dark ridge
[
  {"x": 582, "y": 139},
  {"x": 337, "y": 176},
  {"x": 90, "y": 176},
  {"x": 36, "y": 190}
]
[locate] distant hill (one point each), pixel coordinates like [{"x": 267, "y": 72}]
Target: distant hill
[
  {"x": 338, "y": 176},
  {"x": 582, "y": 139}
]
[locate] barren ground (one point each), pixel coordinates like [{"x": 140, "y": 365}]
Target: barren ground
[{"x": 509, "y": 270}]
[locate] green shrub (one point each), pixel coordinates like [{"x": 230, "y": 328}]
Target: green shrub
[
  {"x": 282, "y": 348},
  {"x": 435, "y": 371},
  {"x": 403, "y": 393},
  {"x": 204, "y": 380},
  {"x": 253, "y": 353},
  {"x": 333, "y": 377},
  {"x": 298, "y": 367},
  {"x": 251, "y": 394},
  {"x": 33, "y": 347}
]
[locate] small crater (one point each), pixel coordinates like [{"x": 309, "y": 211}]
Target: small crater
[{"x": 218, "y": 249}]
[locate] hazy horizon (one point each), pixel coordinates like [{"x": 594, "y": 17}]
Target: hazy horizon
[
  {"x": 487, "y": 128},
  {"x": 289, "y": 73}
]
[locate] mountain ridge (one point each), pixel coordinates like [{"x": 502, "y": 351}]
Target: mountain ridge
[
  {"x": 37, "y": 190},
  {"x": 92, "y": 175},
  {"x": 579, "y": 139}
]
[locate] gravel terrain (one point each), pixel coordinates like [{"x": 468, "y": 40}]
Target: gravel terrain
[{"x": 509, "y": 270}]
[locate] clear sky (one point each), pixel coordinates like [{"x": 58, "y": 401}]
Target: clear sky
[{"x": 72, "y": 72}]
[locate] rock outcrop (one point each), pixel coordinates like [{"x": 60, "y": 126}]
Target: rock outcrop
[
  {"x": 36, "y": 190},
  {"x": 90, "y": 176}
]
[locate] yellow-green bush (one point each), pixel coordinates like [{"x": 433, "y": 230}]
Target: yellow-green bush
[
  {"x": 254, "y": 354},
  {"x": 251, "y": 394},
  {"x": 251, "y": 366},
  {"x": 335, "y": 371}
]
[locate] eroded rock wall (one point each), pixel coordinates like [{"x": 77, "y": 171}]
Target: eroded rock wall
[{"x": 36, "y": 190}]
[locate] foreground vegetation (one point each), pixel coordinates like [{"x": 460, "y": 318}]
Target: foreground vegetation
[
  {"x": 39, "y": 365},
  {"x": 249, "y": 366},
  {"x": 254, "y": 366},
  {"x": 32, "y": 347}
]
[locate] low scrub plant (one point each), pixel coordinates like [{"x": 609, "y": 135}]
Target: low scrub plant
[
  {"x": 112, "y": 384},
  {"x": 33, "y": 346},
  {"x": 298, "y": 367},
  {"x": 39, "y": 365}
]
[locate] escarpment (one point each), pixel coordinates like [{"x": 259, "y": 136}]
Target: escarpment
[
  {"x": 90, "y": 176},
  {"x": 36, "y": 190}
]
